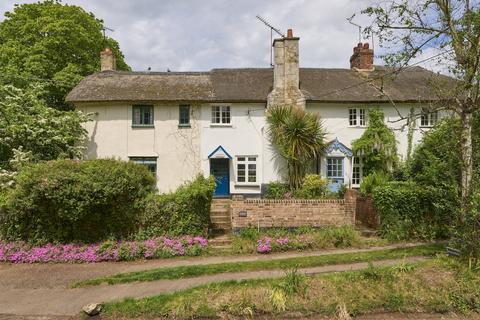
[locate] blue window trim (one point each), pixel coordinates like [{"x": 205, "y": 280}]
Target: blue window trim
[
  {"x": 222, "y": 149},
  {"x": 336, "y": 145},
  {"x": 343, "y": 168}
]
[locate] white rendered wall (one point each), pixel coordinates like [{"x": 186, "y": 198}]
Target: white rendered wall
[
  {"x": 183, "y": 152},
  {"x": 111, "y": 135}
]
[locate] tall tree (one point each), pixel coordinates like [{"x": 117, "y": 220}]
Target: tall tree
[
  {"x": 27, "y": 124},
  {"x": 53, "y": 41},
  {"x": 450, "y": 29}
]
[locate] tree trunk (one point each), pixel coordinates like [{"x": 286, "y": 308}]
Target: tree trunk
[{"x": 467, "y": 163}]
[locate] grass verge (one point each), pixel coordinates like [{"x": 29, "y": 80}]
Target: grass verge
[
  {"x": 437, "y": 285},
  {"x": 180, "y": 272}
]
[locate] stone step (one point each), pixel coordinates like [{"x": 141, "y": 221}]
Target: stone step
[
  {"x": 219, "y": 211},
  {"x": 220, "y": 232},
  {"x": 224, "y": 226},
  {"x": 220, "y": 242},
  {"x": 368, "y": 232},
  {"x": 225, "y": 219},
  {"x": 221, "y": 218}
]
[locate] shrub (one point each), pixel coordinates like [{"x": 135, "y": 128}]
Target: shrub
[
  {"x": 186, "y": 211},
  {"x": 276, "y": 190},
  {"x": 20, "y": 252},
  {"x": 372, "y": 181},
  {"x": 313, "y": 187},
  {"x": 408, "y": 210},
  {"x": 65, "y": 201}
]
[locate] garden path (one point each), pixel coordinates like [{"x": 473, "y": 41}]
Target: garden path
[{"x": 63, "y": 301}]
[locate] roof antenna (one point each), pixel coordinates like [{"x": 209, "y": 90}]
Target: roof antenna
[
  {"x": 105, "y": 29},
  {"x": 272, "y": 28},
  {"x": 356, "y": 25}
]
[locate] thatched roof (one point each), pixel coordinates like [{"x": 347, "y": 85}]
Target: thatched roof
[{"x": 253, "y": 85}]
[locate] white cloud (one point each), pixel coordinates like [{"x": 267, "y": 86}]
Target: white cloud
[{"x": 200, "y": 35}]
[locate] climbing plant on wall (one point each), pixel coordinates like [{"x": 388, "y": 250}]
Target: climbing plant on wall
[{"x": 377, "y": 146}]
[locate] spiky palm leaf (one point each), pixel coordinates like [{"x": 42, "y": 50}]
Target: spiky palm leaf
[{"x": 298, "y": 137}]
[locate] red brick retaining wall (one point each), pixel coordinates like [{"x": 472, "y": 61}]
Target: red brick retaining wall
[{"x": 293, "y": 212}]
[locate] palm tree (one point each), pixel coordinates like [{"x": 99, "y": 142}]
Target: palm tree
[{"x": 298, "y": 137}]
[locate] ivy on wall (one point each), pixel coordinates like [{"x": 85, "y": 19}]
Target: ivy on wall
[{"x": 377, "y": 146}]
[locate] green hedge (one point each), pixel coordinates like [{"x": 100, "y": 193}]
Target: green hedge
[
  {"x": 65, "y": 201},
  {"x": 186, "y": 211},
  {"x": 411, "y": 211}
]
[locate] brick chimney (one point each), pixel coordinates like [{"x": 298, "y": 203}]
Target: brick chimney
[
  {"x": 362, "y": 57},
  {"x": 107, "y": 60},
  {"x": 286, "y": 72}
]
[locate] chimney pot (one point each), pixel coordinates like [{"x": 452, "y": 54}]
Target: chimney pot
[
  {"x": 289, "y": 33},
  {"x": 362, "y": 57}
]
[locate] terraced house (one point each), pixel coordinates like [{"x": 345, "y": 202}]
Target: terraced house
[{"x": 180, "y": 124}]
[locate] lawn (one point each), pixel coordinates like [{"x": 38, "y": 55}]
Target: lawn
[
  {"x": 438, "y": 285},
  {"x": 301, "y": 262}
]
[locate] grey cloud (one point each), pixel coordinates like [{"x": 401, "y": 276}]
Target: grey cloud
[{"x": 200, "y": 35}]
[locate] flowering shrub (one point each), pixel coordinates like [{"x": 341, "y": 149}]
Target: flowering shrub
[
  {"x": 20, "y": 252},
  {"x": 267, "y": 244},
  {"x": 251, "y": 239}
]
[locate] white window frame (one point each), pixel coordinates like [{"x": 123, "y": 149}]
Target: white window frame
[
  {"x": 357, "y": 117},
  {"x": 219, "y": 112},
  {"x": 357, "y": 165},
  {"x": 428, "y": 119},
  {"x": 246, "y": 161}
]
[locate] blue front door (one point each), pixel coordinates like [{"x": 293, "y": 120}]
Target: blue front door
[{"x": 219, "y": 169}]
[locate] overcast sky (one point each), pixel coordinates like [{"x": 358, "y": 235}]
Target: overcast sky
[{"x": 198, "y": 35}]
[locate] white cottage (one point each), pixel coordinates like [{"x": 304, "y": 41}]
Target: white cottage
[{"x": 180, "y": 124}]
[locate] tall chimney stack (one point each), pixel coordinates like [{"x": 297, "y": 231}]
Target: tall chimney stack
[
  {"x": 107, "y": 60},
  {"x": 362, "y": 57},
  {"x": 286, "y": 72}
]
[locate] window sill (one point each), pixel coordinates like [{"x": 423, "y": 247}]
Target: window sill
[
  {"x": 221, "y": 125},
  {"x": 143, "y": 126},
  {"x": 247, "y": 184},
  {"x": 359, "y": 127},
  {"x": 184, "y": 126},
  {"x": 427, "y": 127}
]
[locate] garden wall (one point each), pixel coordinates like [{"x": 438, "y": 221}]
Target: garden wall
[
  {"x": 366, "y": 213},
  {"x": 293, "y": 212}
]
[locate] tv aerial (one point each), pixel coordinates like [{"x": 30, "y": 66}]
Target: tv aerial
[
  {"x": 104, "y": 30},
  {"x": 272, "y": 29},
  {"x": 350, "y": 20}
]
